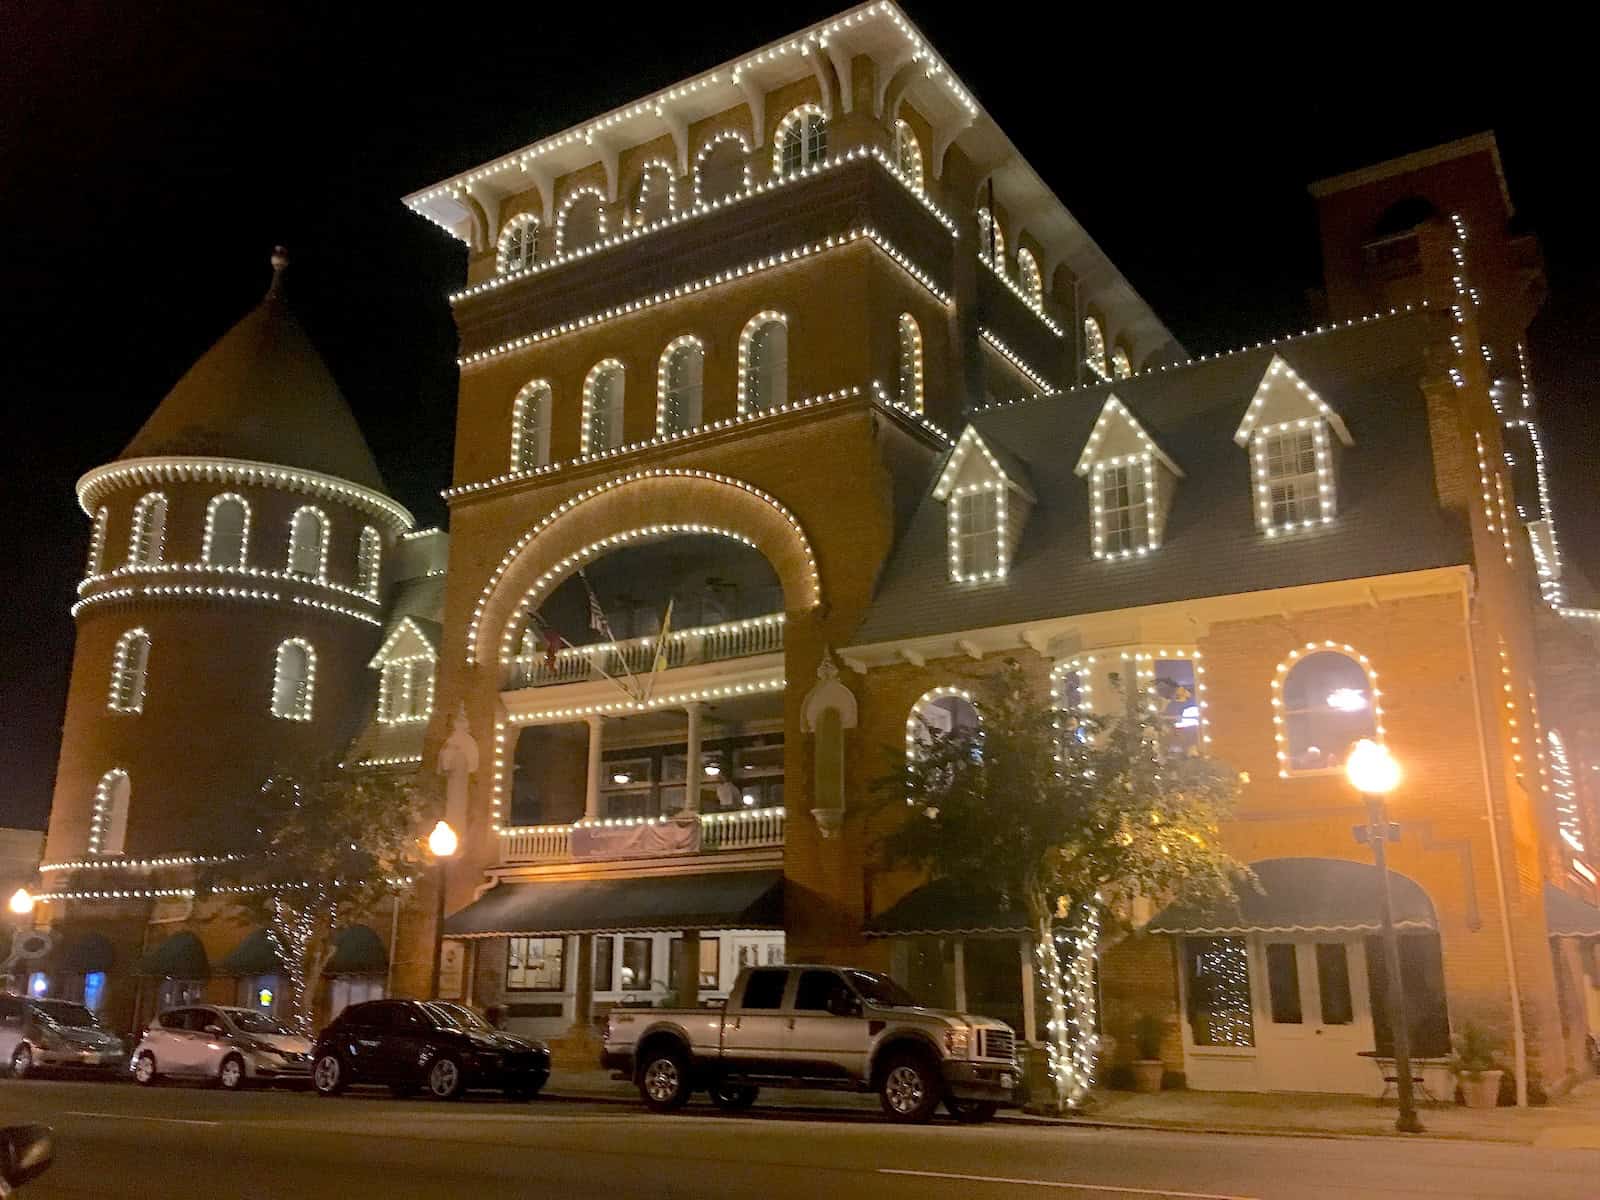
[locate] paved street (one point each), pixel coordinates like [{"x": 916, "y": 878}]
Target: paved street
[{"x": 115, "y": 1140}]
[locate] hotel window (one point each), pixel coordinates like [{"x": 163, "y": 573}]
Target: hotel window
[
  {"x": 1028, "y": 272},
  {"x": 227, "y": 531},
  {"x": 1175, "y": 700},
  {"x": 1121, "y": 366},
  {"x": 1291, "y": 478},
  {"x": 308, "y": 544},
  {"x": 910, "y": 362},
  {"x": 530, "y": 427},
  {"x": 976, "y": 534},
  {"x": 108, "y": 823},
  {"x": 681, "y": 383},
  {"x": 722, "y": 169},
  {"x": 405, "y": 691},
  {"x": 129, "y": 663},
  {"x": 1328, "y": 706},
  {"x": 1122, "y": 508},
  {"x": 294, "y": 680},
  {"x": 1094, "y": 348},
  {"x": 97, "y": 541},
  {"x": 991, "y": 240},
  {"x": 369, "y": 562},
  {"x": 582, "y": 221},
  {"x": 534, "y": 964},
  {"x": 149, "y": 535},
  {"x": 655, "y": 198},
  {"x": 519, "y": 244},
  {"x": 637, "y": 953},
  {"x": 908, "y": 154},
  {"x": 710, "y": 963},
  {"x": 602, "y": 407},
  {"x": 802, "y": 140},
  {"x": 764, "y": 363}
]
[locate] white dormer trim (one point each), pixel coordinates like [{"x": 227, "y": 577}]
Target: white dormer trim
[
  {"x": 1118, "y": 434},
  {"x": 973, "y": 471},
  {"x": 406, "y": 642},
  {"x": 957, "y": 467},
  {"x": 1282, "y": 398},
  {"x": 1285, "y": 406},
  {"x": 1119, "y": 442}
]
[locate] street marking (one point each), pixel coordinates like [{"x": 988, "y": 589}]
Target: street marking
[
  {"x": 1070, "y": 1187},
  {"x": 137, "y": 1117}
]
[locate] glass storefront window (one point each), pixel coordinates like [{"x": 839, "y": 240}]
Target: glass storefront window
[
  {"x": 605, "y": 956},
  {"x": 94, "y": 990},
  {"x": 534, "y": 964},
  {"x": 710, "y": 963},
  {"x": 636, "y": 955},
  {"x": 1216, "y": 975}
]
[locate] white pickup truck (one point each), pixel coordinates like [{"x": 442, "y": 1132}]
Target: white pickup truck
[{"x": 817, "y": 1026}]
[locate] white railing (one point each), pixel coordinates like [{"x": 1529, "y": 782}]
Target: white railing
[
  {"x": 744, "y": 829},
  {"x": 637, "y": 656}
]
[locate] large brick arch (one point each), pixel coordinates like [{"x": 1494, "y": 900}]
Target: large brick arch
[{"x": 644, "y": 504}]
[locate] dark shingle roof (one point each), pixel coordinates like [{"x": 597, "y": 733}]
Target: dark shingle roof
[{"x": 1389, "y": 517}]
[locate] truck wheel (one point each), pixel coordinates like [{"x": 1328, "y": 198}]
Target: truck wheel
[
  {"x": 972, "y": 1112},
  {"x": 910, "y": 1089},
  {"x": 733, "y": 1097},
  {"x": 664, "y": 1080}
]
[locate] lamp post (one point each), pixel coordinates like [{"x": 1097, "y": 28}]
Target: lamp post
[
  {"x": 442, "y": 843},
  {"x": 1373, "y": 772},
  {"x": 21, "y": 902}
]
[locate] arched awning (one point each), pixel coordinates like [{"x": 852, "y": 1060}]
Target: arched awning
[
  {"x": 85, "y": 954},
  {"x": 1304, "y": 895},
  {"x": 708, "y": 900},
  {"x": 256, "y": 955},
  {"x": 181, "y": 956},
  {"x": 358, "y": 951},
  {"x": 1568, "y": 916},
  {"x": 944, "y": 906}
]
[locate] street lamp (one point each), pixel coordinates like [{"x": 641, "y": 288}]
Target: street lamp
[
  {"x": 1373, "y": 772},
  {"x": 21, "y": 902},
  {"x": 442, "y": 843}
]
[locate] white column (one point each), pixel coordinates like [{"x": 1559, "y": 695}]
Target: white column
[
  {"x": 591, "y": 791},
  {"x": 691, "y": 766},
  {"x": 1025, "y": 951}
]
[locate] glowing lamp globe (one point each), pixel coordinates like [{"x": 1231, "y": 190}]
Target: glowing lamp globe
[
  {"x": 1371, "y": 769},
  {"x": 21, "y": 902},
  {"x": 443, "y": 841}
]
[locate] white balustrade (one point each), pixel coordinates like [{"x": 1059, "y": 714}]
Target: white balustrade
[
  {"x": 743, "y": 829},
  {"x": 702, "y": 644}
]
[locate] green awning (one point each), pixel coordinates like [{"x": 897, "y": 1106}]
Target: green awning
[
  {"x": 947, "y": 907},
  {"x": 708, "y": 900},
  {"x": 1568, "y": 916},
  {"x": 358, "y": 951},
  {"x": 86, "y": 953},
  {"x": 256, "y": 955},
  {"x": 181, "y": 956},
  {"x": 1304, "y": 895}
]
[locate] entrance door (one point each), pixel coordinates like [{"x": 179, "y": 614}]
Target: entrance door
[{"x": 1313, "y": 1018}]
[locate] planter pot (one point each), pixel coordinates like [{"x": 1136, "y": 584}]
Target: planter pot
[
  {"x": 1481, "y": 1090},
  {"x": 1147, "y": 1073}
]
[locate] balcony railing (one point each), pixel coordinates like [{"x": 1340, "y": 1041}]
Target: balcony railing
[
  {"x": 643, "y": 837},
  {"x": 637, "y": 656}
]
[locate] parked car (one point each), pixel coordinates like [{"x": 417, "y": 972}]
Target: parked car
[
  {"x": 55, "y": 1035},
  {"x": 817, "y": 1026},
  {"x": 414, "y": 1044},
  {"x": 231, "y": 1046}
]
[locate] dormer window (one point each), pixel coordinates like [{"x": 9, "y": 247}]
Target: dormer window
[
  {"x": 989, "y": 498},
  {"x": 976, "y": 531},
  {"x": 1131, "y": 483},
  {"x": 407, "y": 662},
  {"x": 1287, "y": 429}
]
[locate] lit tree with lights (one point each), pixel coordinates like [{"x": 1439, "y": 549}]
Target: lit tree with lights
[
  {"x": 325, "y": 848},
  {"x": 1065, "y": 818}
]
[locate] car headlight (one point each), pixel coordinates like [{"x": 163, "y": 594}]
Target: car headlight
[{"x": 956, "y": 1042}]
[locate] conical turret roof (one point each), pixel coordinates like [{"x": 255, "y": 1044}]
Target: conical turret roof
[{"x": 262, "y": 393}]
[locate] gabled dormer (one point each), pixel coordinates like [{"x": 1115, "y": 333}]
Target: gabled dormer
[
  {"x": 407, "y": 659},
  {"x": 1131, "y": 483},
  {"x": 1289, "y": 431},
  {"x": 989, "y": 496}
]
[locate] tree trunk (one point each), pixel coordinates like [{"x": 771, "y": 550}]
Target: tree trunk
[
  {"x": 1073, "y": 1043},
  {"x": 1058, "y": 1046}
]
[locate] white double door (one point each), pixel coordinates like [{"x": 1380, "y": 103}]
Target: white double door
[{"x": 1313, "y": 1018}]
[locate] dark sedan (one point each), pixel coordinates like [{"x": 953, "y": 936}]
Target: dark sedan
[{"x": 415, "y": 1044}]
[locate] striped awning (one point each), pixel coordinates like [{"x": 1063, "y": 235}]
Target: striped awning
[
  {"x": 1568, "y": 916},
  {"x": 1304, "y": 895}
]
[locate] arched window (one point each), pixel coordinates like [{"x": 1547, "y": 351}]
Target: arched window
[
  {"x": 602, "y": 407},
  {"x": 369, "y": 562},
  {"x": 991, "y": 239},
  {"x": 294, "y": 680},
  {"x": 519, "y": 244},
  {"x": 149, "y": 535},
  {"x": 680, "y": 385},
  {"x": 97, "y": 542},
  {"x": 722, "y": 168},
  {"x": 308, "y": 543},
  {"x": 405, "y": 691},
  {"x": 656, "y": 197},
  {"x": 129, "y": 663},
  {"x": 944, "y": 710},
  {"x": 108, "y": 823},
  {"x": 1325, "y": 699},
  {"x": 530, "y": 426},
  {"x": 1028, "y": 273},
  {"x": 908, "y": 154},
  {"x": 227, "y": 539},
  {"x": 910, "y": 362},
  {"x": 1121, "y": 367},
  {"x": 1094, "y": 348},
  {"x": 802, "y": 140},
  {"x": 582, "y": 221},
  {"x": 764, "y": 363}
]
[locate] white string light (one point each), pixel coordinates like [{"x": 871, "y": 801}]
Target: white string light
[
  {"x": 1278, "y": 730},
  {"x": 1012, "y": 357}
]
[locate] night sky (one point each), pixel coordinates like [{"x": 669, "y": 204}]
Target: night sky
[{"x": 151, "y": 154}]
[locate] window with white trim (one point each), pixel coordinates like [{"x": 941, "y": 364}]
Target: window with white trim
[
  {"x": 227, "y": 536},
  {"x": 582, "y": 220},
  {"x": 655, "y": 198},
  {"x": 530, "y": 426},
  {"x": 976, "y": 532},
  {"x": 908, "y": 154},
  {"x": 1287, "y": 469},
  {"x": 991, "y": 239},
  {"x": 910, "y": 362},
  {"x": 518, "y": 248},
  {"x": 1094, "y": 348},
  {"x": 944, "y": 710},
  {"x": 108, "y": 821},
  {"x": 1328, "y": 704},
  {"x": 97, "y": 541},
  {"x": 1286, "y": 429},
  {"x": 129, "y": 663},
  {"x": 369, "y": 562},
  {"x": 722, "y": 168},
  {"x": 294, "y": 680},
  {"x": 308, "y": 543},
  {"x": 405, "y": 691},
  {"x": 680, "y": 383},
  {"x": 1122, "y": 506},
  {"x": 764, "y": 363},
  {"x": 1121, "y": 365},
  {"x": 148, "y": 537},
  {"x": 802, "y": 140},
  {"x": 602, "y": 407},
  {"x": 1028, "y": 273}
]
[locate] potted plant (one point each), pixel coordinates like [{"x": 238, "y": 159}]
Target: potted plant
[
  {"x": 1476, "y": 1063},
  {"x": 1148, "y": 1067}
]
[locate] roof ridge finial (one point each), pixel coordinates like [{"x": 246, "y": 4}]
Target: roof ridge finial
[{"x": 280, "y": 262}]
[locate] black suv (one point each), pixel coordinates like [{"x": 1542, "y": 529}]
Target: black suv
[{"x": 415, "y": 1044}]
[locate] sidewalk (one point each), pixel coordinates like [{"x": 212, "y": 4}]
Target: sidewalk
[{"x": 1572, "y": 1122}]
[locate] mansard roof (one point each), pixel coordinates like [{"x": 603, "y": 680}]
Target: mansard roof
[
  {"x": 263, "y": 394},
  {"x": 1389, "y": 518}
]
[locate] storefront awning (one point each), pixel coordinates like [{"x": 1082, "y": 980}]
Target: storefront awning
[
  {"x": 946, "y": 907},
  {"x": 358, "y": 951},
  {"x": 709, "y": 900},
  {"x": 256, "y": 955},
  {"x": 181, "y": 956},
  {"x": 1568, "y": 916},
  {"x": 1304, "y": 895},
  {"x": 85, "y": 954}
]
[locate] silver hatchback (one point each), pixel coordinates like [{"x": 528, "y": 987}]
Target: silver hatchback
[{"x": 230, "y": 1046}]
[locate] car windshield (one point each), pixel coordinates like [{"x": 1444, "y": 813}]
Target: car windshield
[
  {"x": 65, "y": 1013},
  {"x": 247, "y": 1020},
  {"x": 880, "y": 989},
  {"x": 455, "y": 1016}
]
